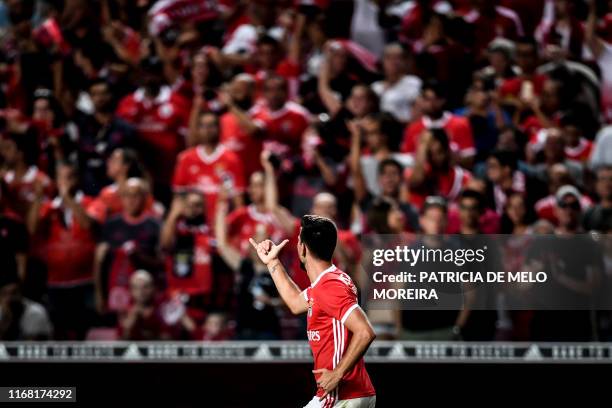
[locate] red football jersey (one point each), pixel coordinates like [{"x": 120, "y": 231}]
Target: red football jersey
[
  {"x": 447, "y": 185},
  {"x": 247, "y": 147},
  {"x": 21, "y": 193},
  {"x": 243, "y": 223},
  {"x": 197, "y": 170},
  {"x": 162, "y": 126},
  {"x": 108, "y": 203},
  {"x": 66, "y": 248},
  {"x": 188, "y": 268},
  {"x": 283, "y": 128},
  {"x": 331, "y": 299},
  {"x": 457, "y": 127}
]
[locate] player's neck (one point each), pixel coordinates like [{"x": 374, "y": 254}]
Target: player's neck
[{"x": 315, "y": 267}]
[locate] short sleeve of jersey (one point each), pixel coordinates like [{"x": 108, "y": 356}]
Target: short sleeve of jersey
[
  {"x": 463, "y": 137},
  {"x": 237, "y": 172},
  {"x": 336, "y": 298},
  {"x": 179, "y": 180}
]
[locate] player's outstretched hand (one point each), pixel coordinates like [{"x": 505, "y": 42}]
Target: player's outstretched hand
[{"x": 267, "y": 250}]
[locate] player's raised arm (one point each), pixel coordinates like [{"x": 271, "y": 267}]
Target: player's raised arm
[{"x": 289, "y": 291}]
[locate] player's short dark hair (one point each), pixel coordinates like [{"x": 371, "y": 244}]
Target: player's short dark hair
[{"x": 319, "y": 234}]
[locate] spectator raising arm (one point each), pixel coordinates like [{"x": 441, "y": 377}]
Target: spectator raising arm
[
  {"x": 283, "y": 216},
  {"x": 595, "y": 44},
  {"x": 100, "y": 255},
  {"x": 359, "y": 183},
  {"x": 329, "y": 98},
  {"x": 168, "y": 230},
  {"x": 227, "y": 252}
]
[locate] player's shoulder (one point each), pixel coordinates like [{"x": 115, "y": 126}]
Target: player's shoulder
[{"x": 336, "y": 279}]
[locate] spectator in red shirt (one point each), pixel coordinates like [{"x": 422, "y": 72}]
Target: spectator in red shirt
[
  {"x": 434, "y": 172},
  {"x": 22, "y": 177},
  {"x": 528, "y": 83},
  {"x": 458, "y": 129},
  {"x": 280, "y": 121},
  {"x": 490, "y": 21},
  {"x": 238, "y": 132},
  {"x": 243, "y": 222},
  {"x": 149, "y": 316},
  {"x": 188, "y": 244},
  {"x": 65, "y": 242},
  {"x": 209, "y": 167},
  {"x": 577, "y": 147},
  {"x": 129, "y": 241},
  {"x": 122, "y": 165},
  {"x": 269, "y": 61},
  {"x": 560, "y": 32},
  {"x": 161, "y": 117}
]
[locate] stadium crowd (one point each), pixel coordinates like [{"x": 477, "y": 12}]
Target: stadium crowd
[{"x": 143, "y": 142}]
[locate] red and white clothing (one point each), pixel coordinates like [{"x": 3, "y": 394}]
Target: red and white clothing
[
  {"x": 332, "y": 297},
  {"x": 108, "y": 203},
  {"x": 189, "y": 265},
  {"x": 513, "y": 87},
  {"x": 580, "y": 153},
  {"x": 206, "y": 173},
  {"x": 246, "y": 146},
  {"x": 161, "y": 124},
  {"x": 66, "y": 248},
  {"x": 457, "y": 127},
  {"x": 545, "y": 207},
  {"x": 283, "y": 128},
  {"x": 447, "y": 185},
  {"x": 244, "y": 223},
  {"x": 20, "y": 193},
  {"x": 506, "y": 23}
]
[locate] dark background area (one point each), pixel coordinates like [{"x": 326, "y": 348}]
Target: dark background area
[{"x": 291, "y": 385}]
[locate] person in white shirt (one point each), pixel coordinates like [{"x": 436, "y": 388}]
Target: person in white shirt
[{"x": 398, "y": 91}]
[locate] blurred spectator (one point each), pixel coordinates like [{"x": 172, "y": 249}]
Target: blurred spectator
[
  {"x": 160, "y": 117},
  {"x": 99, "y": 134},
  {"x": 65, "y": 240},
  {"x": 576, "y": 277},
  {"x": 399, "y": 90},
  {"x": 14, "y": 242},
  {"x": 439, "y": 325},
  {"x": 489, "y": 20},
  {"x": 376, "y": 132},
  {"x": 258, "y": 300},
  {"x": 486, "y": 116},
  {"x": 148, "y": 317},
  {"x": 457, "y": 128},
  {"x": 434, "y": 171},
  {"x": 215, "y": 328},
  {"x": 186, "y": 239},
  {"x": 238, "y": 132},
  {"x": 208, "y": 167},
  {"x": 21, "y": 176},
  {"x": 129, "y": 241},
  {"x": 599, "y": 216},
  {"x": 122, "y": 164},
  {"x": 21, "y": 318},
  {"x": 560, "y": 30},
  {"x": 602, "y": 148}
]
